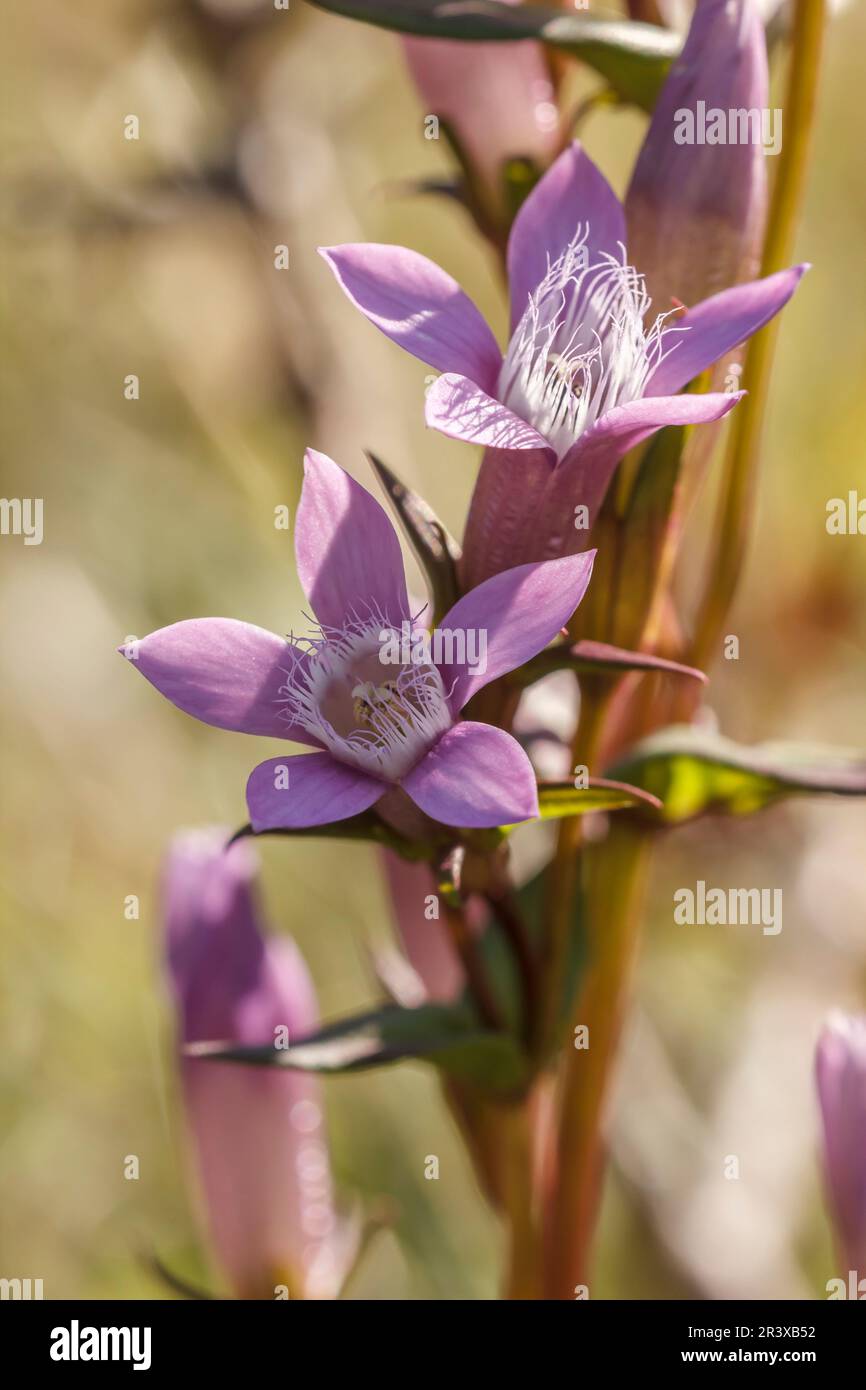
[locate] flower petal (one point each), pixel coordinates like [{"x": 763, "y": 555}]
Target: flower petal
[
  {"x": 573, "y": 193},
  {"x": 309, "y": 789},
  {"x": 584, "y": 474},
  {"x": 460, "y": 409},
  {"x": 419, "y": 306},
  {"x": 223, "y": 672},
  {"x": 475, "y": 776},
  {"x": 705, "y": 333},
  {"x": 348, "y": 555},
  {"x": 517, "y": 612}
]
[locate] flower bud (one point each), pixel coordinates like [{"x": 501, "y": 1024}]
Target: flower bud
[
  {"x": 258, "y": 1133},
  {"x": 840, "y": 1068}
]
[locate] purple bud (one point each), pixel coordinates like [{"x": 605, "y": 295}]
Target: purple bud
[
  {"x": 258, "y": 1133},
  {"x": 497, "y": 97},
  {"x": 840, "y": 1068},
  {"x": 415, "y": 906},
  {"x": 696, "y": 207}
]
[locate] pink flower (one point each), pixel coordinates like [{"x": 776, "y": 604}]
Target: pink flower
[
  {"x": 380, "y": 709},
  {"x": 587, "y": 374},
  {"x": 258, "y": 1134}
]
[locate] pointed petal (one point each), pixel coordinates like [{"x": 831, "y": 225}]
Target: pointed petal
[
  {"x": 475, "y": 776},
  {"x": 309, "y": 789},
  {"x": 512, "y": 617},
  {"x": 348, "y": 555},
  {"x": 419, "y": 306},
  {"x": 584, "y": 474},
  {"x": 572, "y": 194},
  {"x": 705, "y": 333},
  {"x": 223, "y": 672},
  {"x": 460, "y": 409}
]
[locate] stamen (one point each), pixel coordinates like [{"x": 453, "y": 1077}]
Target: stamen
[
  {"x": 581, "y": 347},
  {"x": 381, "y": 725}
]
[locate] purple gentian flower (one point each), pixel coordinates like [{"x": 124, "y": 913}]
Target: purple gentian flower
[
  {"x": 258, "y": 1132},
  {"x": 588, "y": 373},
  {"x": 840, "y": 1067},
  {"x": 376, "y": 723}
]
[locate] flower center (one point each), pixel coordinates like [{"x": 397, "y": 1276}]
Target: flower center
[
  {"x": 581, "y": 347},
  {"x": 377, "y": 715}
]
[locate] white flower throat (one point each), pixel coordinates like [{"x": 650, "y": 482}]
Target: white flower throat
[
  {"x": 377, "y": 715},
  {"x": 581, "y": 347}
]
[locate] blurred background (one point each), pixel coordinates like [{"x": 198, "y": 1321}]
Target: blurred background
[{"x": 155, "y": 257}]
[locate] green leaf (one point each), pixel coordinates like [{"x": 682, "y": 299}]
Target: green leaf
[
  {"x": 646, "y": 538},
  {"x": 693, "y": 772},
  {"x": 558, "y": 799},
  {"x": 633, "y": 57},
  {"x": 366, "y": 827},
  {"x": 437, "y": 552},
  {"x": 448, "y": 1035},
  {"x": 598, "y": 658}
]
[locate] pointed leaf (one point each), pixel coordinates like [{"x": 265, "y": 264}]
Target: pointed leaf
[
  {"x": 365, "y": 827},
  {"x": 437, "y": 552},
  {"x": 650, "y": 527},
  {"x": 598, "y": 658},
  {"x": 633, "y": 57},
  {"x": 558, "y": 799},
  {"x": 446, "y": 1035},
  {"x": 694, "y": 772}
]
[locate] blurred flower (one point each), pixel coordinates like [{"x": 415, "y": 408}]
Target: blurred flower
[
  {"x": 425, "y": 942},
  {"x": 840, "y": 1065},
  {"x": 675, "y": 13},
  {"x": 379, "y": 718},
  {"x": 696, "y": 212},
  {"x": 258, "y": 1132},
  {"x": 496, "y": 97},
  {"x": 586, "y": 376}
]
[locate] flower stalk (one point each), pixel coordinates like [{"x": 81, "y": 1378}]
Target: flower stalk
[{"x": 614, "y": 877}]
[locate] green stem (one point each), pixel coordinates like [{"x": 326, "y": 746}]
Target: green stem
[
  {"x": 562, "y": 880},
  {"x": 525, "y": 1272},
  {"x": 616, "y": 871},
  {"x": 739, "y": 477}
]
